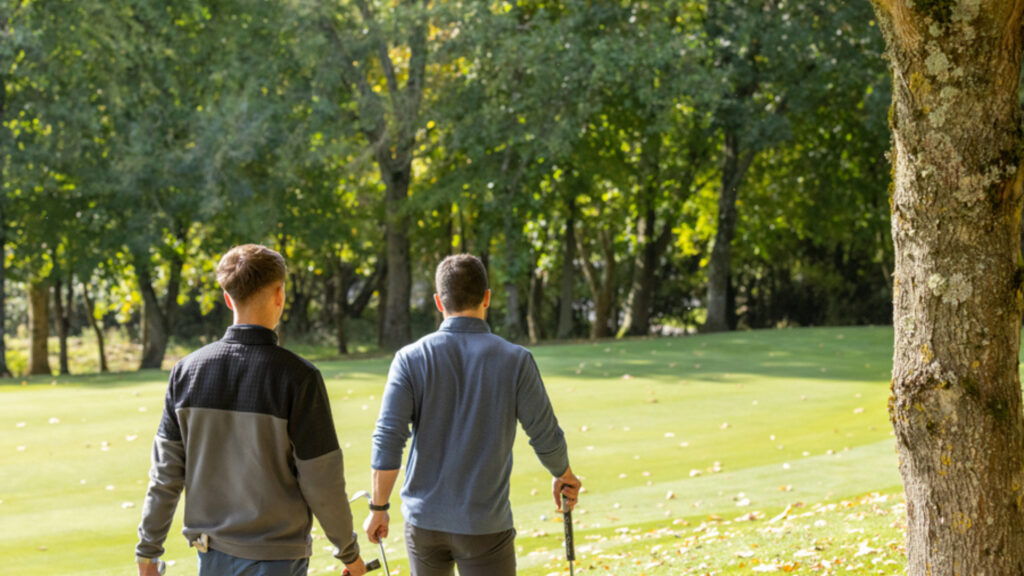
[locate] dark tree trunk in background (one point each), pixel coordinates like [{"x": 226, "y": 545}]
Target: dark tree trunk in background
[
  {"x": 568, "y": 277},
  {"x": 650, "y": 245},
  {"x": 39, "y": 328},
  {"x": 5, "y": 372},
  {"x": 735, "y": 163},
  {"x": 514, "y": 249},
  {"x": 157, "y": 320},
  {"x": 382, "y": 308},
  {"x": 956, "y": 393},
  {"x": 397, "y": 324},
  {"x": 535, "y": 307},
  {"x": 390, "y": 125},
  {"x": 344, "y": 279},
  {"x": 298, "y": 309},
  {"x": 155, "y": 335},
  {"x": 513, "y": 325},
  {"x": 5, "y": 143},
  {"x": 602, "y": 284},
  {"x": 97, "y": 328},
  {"x": 61, "y": 321}
]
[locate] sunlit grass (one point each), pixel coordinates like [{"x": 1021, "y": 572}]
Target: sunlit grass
[{"x": 668, "y": 434}]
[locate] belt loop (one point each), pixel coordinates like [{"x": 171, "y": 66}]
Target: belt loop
[{"x": 202, "y": 543}]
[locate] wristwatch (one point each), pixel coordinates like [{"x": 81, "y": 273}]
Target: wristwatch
[
  {"x": 377, "y": 508},
  {"x": 144, "y": 560}
]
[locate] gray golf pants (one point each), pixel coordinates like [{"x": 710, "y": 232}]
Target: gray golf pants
[{"x": 433, "y": 553}]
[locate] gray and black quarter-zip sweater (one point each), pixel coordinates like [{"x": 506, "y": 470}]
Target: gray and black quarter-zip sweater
[{"x": 247, "y": 433}]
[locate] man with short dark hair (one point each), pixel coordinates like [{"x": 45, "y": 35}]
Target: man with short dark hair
[
  {"x": 462, "y": 389},
  {"x": 247, "y": 428}
]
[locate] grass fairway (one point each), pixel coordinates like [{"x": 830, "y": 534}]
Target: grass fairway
[{"x": 732, "y": 453}]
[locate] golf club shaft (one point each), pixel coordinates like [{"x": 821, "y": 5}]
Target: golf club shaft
[
  {"x": 387, "y": 570},
  {"x": 570, "y": 548}
]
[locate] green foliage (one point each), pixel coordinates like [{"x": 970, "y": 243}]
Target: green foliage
[{"x": 141, "y": 139}]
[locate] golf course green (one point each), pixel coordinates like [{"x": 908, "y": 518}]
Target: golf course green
[{"x": 764, "y": 451}]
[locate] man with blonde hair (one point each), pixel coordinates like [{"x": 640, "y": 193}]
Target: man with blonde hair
[{"x": 247, "y": 428}]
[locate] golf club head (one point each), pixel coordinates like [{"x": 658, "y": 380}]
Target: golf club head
[
  {"x": 370, "y": 567},
  {"x": 358, "y": 495}
]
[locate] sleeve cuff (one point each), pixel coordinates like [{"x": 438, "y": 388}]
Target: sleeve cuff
[{"x": 350, "y": 554}]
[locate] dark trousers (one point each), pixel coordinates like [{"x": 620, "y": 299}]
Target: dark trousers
[
  {"x": 433, "y": 553},
  {"x": 215, "y": 563}
]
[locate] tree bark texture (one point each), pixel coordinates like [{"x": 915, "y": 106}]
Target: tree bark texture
[
  {"x": 90, "y": 314},
  {"x": 650, "y": 245},
  {"x": 568, "y": 276},
  {"x": 392, "y": 140},
  {"x": 535, "y": 307},
  {"x": 39, "y": 328},
  {"x": 5, "y": 142},
  {"x": 602, "y": 284},
  {"x": 397, "y": 324},
  {"x": 735, "y": 164},
  {"x": 956, "y": 395},
  {"x": 5, "y": 372},
  {"x": 157, "y": 320},
  {"x": 62, "y": 323}
]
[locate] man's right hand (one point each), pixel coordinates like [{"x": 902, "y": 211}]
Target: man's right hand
[
  {"x": 356, "y": 568},
  {"x": 376, "y": 526},
  {"x": 567, "y": 484},
  {"x": 149, "y": 570}
]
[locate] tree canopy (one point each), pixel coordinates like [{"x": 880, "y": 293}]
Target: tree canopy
[{"x": 623, "y": 168}]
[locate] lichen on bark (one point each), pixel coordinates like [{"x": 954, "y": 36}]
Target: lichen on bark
[{"x": 956, "y": 397}]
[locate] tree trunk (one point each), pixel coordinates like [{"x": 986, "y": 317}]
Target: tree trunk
[
  {"x": 637, "y": 321},
  {"x": 734, "y": 168},
  {"x": 513, "y": 257},
  {"x": 61, "y": 321},
  {"x": 298, "y": 310},
  {"x": 956, "y": 394},
  {"x": 535, "y": 307},
  {"x": 339, "y": 292},
  {"x": 5, "y": 142},
  {"x": 5, "y": 372},
  {"x": 39, "y": 328},
  {"x": 602, "y": 285},
  {"x": 90, "y": 314},
  {"x": 396, "y": 328},
  {"x": 568, "y": 280},
  {"x": 382, "y": 309},
  {"x": 154, "y": 323}
]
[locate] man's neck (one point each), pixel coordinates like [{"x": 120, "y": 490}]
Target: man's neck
[
  {"x": 478, "y": 314},
  {"x": 255, "y": 321}
]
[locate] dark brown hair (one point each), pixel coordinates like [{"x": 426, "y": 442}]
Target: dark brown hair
[
  {"x": 461, "y": 282},
  {"x": 248, "y": 268}
]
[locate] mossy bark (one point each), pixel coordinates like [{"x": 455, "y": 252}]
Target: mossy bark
[{"x": 956, "y": 394}]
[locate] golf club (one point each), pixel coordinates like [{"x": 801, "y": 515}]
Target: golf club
[
  {"x": 383, "y": 557},
  {"x": 570, "y": 548}
]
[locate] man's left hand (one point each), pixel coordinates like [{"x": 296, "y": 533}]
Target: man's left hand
[
  {"x": 567, "y": 484},
  {"x": 376, "y": 526}
]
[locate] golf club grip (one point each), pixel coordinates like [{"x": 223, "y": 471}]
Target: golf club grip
[
  {"x": 570, "y": 547},
  {"x": 370, "y": 567}
]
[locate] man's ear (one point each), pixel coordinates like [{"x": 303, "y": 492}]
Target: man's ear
[
  {"x": 487, "y": 299},
  {"x": 437, "y": 302},
  {"x": 279, "y": 295},
  {"x": 227, "y": 300}
]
